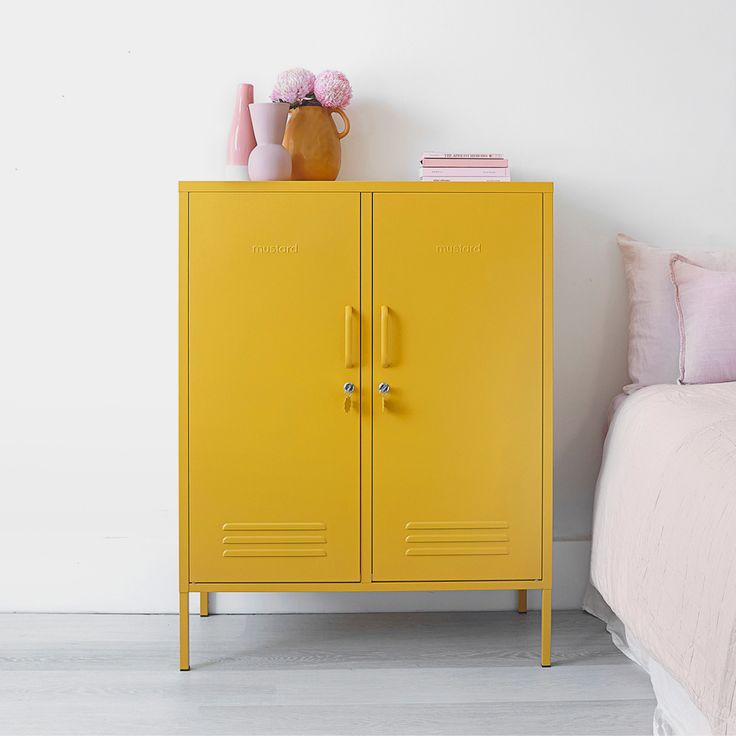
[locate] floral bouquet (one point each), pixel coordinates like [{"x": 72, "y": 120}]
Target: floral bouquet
[{"x": 300, "y": 88}]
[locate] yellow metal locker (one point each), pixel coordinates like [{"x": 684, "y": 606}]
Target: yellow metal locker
[{"x": 365, "y": 388}]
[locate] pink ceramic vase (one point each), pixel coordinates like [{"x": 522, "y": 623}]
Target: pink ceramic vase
[
  {"x": 241, "y": 140},
  {"x": 269, "y": 160}
]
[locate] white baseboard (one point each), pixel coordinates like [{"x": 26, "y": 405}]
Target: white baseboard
[
  {"x": 571, "y": 563},
  {"x": 131, "y": 585}
]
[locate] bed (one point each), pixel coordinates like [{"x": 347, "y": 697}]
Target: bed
[{"x": 663, "y": 566}]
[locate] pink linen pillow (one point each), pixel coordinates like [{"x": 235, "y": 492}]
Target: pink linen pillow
[
  {"x": 706, "y": 310},
  {"x": 654, "y": 340}
]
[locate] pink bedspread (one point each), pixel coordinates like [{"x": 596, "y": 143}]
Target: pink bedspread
[{"x": 664, "y": 535}]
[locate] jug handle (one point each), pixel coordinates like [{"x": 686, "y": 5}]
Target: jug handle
[{"x": 345, "y": 120}]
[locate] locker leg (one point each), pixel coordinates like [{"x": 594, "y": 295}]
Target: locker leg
[
  {"x": 204, "y": 604},
  {"x": 546, "y": 628},
  {"x": 183, "y": 631},
  {"x": 521, "y": 604}
]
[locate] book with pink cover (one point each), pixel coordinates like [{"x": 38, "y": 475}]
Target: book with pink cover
[
  {"x": 445, "y": 154},
  {"x": 466, "y": 179},
  {"x": 464, "y": 171},
  {"x": 464, "y": 162}
]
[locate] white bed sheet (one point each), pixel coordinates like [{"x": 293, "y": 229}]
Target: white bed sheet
[
  {"x": 664, "y": 549},
  {"x": 676, "y": 714}
]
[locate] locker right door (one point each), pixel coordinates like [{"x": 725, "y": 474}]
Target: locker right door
[{"x": 457, "y": 429}]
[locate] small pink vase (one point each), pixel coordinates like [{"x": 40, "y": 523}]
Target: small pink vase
[
  {"x": 241, "y": 140},
  {"x": 269, "y": 160}
]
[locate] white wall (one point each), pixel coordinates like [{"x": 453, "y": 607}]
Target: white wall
[{"x": 629, "y": 107}]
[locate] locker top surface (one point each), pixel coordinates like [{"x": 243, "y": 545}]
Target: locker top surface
[{"x": 501, "y": 187}]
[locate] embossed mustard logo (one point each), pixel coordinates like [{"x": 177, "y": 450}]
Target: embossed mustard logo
[
  {"x": 275, "y": 249},
  {"x": 458, "y": 248}
]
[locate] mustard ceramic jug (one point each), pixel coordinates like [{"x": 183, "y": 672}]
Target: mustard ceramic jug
[{"x": 313, "y": 141}]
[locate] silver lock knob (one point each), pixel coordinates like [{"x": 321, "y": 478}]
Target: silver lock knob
[
  {"x": 349, "y": 387},
  {"x": 383, "y": 388}
]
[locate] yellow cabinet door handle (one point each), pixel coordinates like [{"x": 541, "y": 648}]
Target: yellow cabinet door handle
[
  {"x": 384, "y": 337},
  {"x": 349, "y": 337}
]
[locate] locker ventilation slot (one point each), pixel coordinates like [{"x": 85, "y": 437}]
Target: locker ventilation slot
[
  {"x": 275, "y": 539},
  {"x": 441, "y": 538}
]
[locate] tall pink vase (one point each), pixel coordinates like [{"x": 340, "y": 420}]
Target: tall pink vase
[
  {"x": 269, "y": 160},
  {"x": 241, "y": 140}
]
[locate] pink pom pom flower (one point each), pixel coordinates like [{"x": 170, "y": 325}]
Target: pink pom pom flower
[
  {"x": 293, "y": 86},
  {"x": 332, "y": 89}
]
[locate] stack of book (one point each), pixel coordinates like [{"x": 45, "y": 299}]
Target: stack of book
[{"x": 468, "y": 167}]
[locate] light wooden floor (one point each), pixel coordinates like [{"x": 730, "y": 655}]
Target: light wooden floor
[{"x": 407, "y": 673}]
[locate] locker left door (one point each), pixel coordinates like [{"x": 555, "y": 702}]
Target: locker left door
[{"x": 274, "y": 298}]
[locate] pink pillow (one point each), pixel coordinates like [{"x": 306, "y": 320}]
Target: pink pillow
[
  {"x": 706, "y": 310},
  {"x": 654, "y": 340}
]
